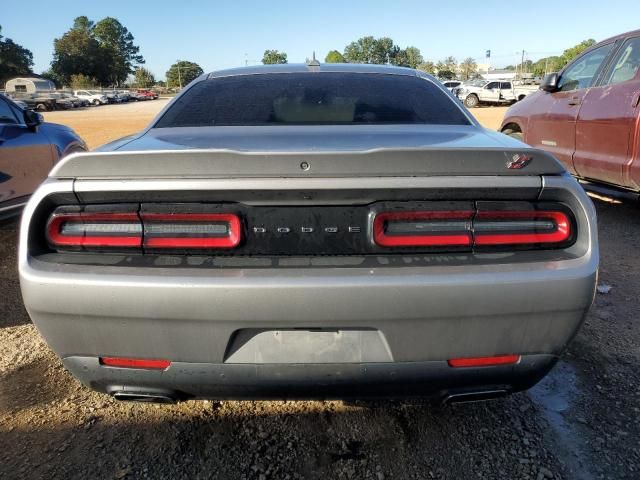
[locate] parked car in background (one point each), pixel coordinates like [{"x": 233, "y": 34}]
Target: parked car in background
[
  {"x": 94, "y": 98},
  {"x": 324, "y": 231},
  {"x": 138, "y": 97},
  {"x": 29, "y": 148},
  {"x": 451, "y": 84},
  {"x": 124, "y": 95},
  {"x": 493, "y": 92},
  {"x": 588, "y": 115},
  {"x": 148, "y": 93}
]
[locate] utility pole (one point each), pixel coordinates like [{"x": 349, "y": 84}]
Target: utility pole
[
  {"x": 179, "y": 77},
  {"x": 522, "y": 66}
]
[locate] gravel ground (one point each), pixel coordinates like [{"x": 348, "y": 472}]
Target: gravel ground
[{"x": 581, "y": 422}]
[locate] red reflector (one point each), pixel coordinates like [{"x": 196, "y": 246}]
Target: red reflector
[
  {"x": 484, "y": 361},
  {"x": 95, "y": 230},
  {"x": 134, "y": 363},
  {"x": 416, "y": 229},
  {"x": 191, "y": 230},
  {"x": 528, "y": 227}
]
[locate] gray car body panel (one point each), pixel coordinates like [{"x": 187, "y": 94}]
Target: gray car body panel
[{"x": 420, "y": 314}]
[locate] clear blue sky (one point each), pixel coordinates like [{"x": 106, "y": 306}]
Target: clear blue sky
[{"x": 223, "y": 34}]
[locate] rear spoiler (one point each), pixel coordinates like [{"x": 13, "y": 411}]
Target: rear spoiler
[{"x": 370, "y": 163}]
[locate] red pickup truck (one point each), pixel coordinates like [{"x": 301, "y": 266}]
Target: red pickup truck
[
  {"x": 588, "y": 115},
  {"x": 147, "y": 93}
]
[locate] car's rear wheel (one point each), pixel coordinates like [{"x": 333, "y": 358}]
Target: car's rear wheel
[
  {"x": 96, "y": 102},
  {"x": 471, "y": 101},
  {"x": 41, "y": 107}
]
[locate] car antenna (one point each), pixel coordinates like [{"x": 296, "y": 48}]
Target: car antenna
[{"x": 313, "y": 62}]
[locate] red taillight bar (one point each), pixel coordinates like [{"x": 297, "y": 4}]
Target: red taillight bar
[
  {"x": 153, "y": 230},
  {"x": 121, "y": 362},
  {"x": 484, "y": 361},
  {"x": 125, "y": 231},
  {"x": 559, "y": 234},
  {"x": 168, "y": 232},
  {"x": 459, "y": 234},
  {"x": 485, "y": 228}
]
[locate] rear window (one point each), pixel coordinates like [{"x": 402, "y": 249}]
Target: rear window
[{"x": 313, "y": 99}]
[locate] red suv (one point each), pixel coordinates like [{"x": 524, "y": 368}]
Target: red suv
[{"x": 588, "y": 115}]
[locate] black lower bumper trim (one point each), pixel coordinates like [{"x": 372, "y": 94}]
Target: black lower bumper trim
[{"x": 312, "y": 381}]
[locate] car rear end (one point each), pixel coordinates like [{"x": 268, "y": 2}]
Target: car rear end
[{"x": 379, "y": 261}]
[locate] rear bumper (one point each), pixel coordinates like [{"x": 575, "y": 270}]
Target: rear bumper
[
  {"x": 434, "y": 379},
  {"x": 424, "y": 316}
]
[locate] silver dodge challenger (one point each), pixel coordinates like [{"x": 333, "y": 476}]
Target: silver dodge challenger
[{"x": 310, "y": 231}]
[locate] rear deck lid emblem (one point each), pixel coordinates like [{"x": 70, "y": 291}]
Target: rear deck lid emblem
[{"x": 519, "y": 161}]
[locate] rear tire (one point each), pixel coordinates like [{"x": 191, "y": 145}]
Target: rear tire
[
  {"x": 96, "y": 102},
  {"x": 41, "y": 107},
  {"x": 471, "y": 101}
]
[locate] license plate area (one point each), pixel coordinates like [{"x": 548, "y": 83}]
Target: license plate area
[{"x": 312, "y": 346}]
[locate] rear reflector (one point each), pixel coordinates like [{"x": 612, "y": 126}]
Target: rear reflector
[
  {"x": 418, "y": 229},
  {"x": 484, "y": 361},
  {"x": 134, "y": 363},
  {"x": 95, "y": 230},
  {"x": 191, "y": 230},
  {"x": 528, "y": 227}
]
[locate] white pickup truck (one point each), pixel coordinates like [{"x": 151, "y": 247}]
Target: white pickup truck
[{"x": 497, "y": 92}]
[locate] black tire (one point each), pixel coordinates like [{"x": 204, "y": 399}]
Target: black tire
[
  {"x": 96, "y": 102},
  {"x": 41, "y": 107},
  {"x": 471, "y": 101},
  {"x": 514, "y": 134}
]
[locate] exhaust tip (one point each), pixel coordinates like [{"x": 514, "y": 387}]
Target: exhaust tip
[
  {"x": 474, "y": 396},
  {"x": 144, "y": 397}
]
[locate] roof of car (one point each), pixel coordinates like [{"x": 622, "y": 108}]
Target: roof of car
[
  {"x": 632, "y": 33},
  {"x": 304, "y": 68}
]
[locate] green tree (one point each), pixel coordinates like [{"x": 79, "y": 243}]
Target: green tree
[
  {"x": 79, "y": 81},
  {"x": 143, "y": 78},
  {"x": 272, "y": 57},
  {"x": 547, "y": 65},
  {"x": 120, "y": 53},
  {"x": 334, "y": 56},
  {"x": 182, "y": 72},
  {"x": 371, "y": 50},
  {"x": 447, "y": 68},
  {"x": 104, "y": 51},
  {"x": 468, "y": 68},
  {"x": 571, "y": 53},
  {"x": 428, "y": 67},
  {"x": 78, "y": 52},
  {"x": 408, "y": 57},
  {"x": 15, "y": 60}
]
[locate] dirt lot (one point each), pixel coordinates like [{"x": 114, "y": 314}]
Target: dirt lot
[{"x": 582, "y": 422}]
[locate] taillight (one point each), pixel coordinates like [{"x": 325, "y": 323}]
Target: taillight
[
  {"x": 71, "y": 228},
  {"x": 191, "y": 230},
  {"x": 521, "y": 227},
  {"x": 83, "y": 229},
  {"x": 422, "y": 229},
  {"x": 534, "y": 228}
]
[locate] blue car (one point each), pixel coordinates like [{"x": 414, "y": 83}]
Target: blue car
[{"x": 29, "y": 148}]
